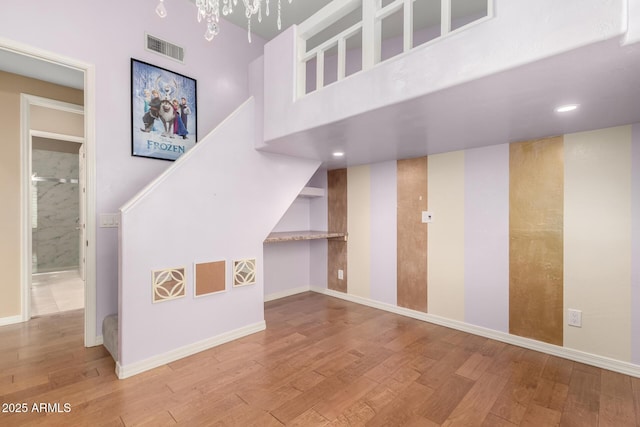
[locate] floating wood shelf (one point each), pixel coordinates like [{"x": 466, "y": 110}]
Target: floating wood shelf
[
  {"x": 311, "y": 192},
  {"x": 291, "y": 236}
]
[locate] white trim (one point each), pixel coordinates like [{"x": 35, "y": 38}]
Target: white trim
[
  {"x": 162, "y": 359},
  {"x": 99, "y": 340},
  {"x": 66, "y": 107},
  {"x": 90, "y": 264},
  {"x": 554, "y": 350},
  {"x": 90, "y": 137},
  {"x": 4, "y": 321},
  {"x": 56, "y": 136},
  {"x": 25, "y": 210},
  {"x": 287, "y": 293}
]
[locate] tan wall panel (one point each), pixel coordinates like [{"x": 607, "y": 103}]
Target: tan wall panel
[
  {"x": 446, "y": 235},
  {"x": 597, "y": 240},
  {"x": 359, "y": 225},
  {"x": 337, "y": 221},
  {"x": 62, "y": 122},
  {"x": 11, "y": 86},
  {"x": 412, "y": 234},
  {"x": 536, "y": 198}
]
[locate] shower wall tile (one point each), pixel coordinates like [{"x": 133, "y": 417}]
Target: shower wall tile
[{"x": 56, "y": 240}]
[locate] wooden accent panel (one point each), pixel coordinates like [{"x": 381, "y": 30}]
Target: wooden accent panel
[
  {"x": 337, "y": 222},
  {"x": 210, "y": 277},
  {"x": 536, "y": 209},
  {"x": 412, "y": 234}
]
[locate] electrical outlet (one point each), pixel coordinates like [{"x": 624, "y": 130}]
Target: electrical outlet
[
  {"x": 340, "y": 275},
  {"x": 426, "y": 217},
  {"x": 574, "y": 318}
]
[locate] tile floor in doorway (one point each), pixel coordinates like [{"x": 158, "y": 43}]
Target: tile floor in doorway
[{"x": 56, "y": 292}]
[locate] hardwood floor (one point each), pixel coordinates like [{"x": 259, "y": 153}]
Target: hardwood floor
[{"x": 321, "y": 361}]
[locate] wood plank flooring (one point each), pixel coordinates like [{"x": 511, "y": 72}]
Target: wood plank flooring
[{"x": 321, "y": 362}]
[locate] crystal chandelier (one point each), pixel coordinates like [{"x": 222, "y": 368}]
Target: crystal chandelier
[{"x": 209, "y": 10}]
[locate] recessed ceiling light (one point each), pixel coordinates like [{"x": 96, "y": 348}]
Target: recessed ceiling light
[
  {"x": 566, "y": 108},
  {"x": 338, "y": 154}
]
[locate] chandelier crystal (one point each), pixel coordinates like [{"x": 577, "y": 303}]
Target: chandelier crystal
[{"x": 210, "y": 10}]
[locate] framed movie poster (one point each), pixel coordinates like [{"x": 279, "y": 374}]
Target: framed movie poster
[{"x": 164, "y": 122}]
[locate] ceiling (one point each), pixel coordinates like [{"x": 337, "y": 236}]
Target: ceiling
[
  {"x": 35, "y": 68},
  {"x": 510, "y": 106},
  {"x": 292, "y": 13}
]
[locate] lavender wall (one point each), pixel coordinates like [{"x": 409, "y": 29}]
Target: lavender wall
[
  {"x": 108, "y": 37},
  {"x": 208, "y": 220},
  {"x": 635, "y": 243},
  {"x": 287, "y": 264},
  {"x": 486, "y": 243},
  {"x": 383, "y": 239}
]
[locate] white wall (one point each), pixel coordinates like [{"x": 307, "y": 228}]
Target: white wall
[
  {"x": 108, "y": 37},
  {"x": 218, "y": 202}
]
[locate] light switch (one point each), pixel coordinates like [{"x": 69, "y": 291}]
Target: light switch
[
  {"x": 426, "y": 217},
  {"x": 109, "y": 220}
]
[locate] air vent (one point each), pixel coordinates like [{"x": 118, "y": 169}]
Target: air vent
[{"x": 165, "y": 48}]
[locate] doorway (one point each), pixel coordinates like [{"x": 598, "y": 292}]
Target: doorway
[
  {"x": 63, "y": 65},
  {"x": 57, "y": 216}
]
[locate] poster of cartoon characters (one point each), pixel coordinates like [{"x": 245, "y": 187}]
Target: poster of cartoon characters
[{"x": 163, "y": 112}]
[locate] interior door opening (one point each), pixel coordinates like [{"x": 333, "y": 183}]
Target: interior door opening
[
  {"x": 57, "y": 223},
  {"x": 65, "y": 71}
]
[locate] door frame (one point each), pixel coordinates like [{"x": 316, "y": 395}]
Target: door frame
[{"x": 90, "y": 330}]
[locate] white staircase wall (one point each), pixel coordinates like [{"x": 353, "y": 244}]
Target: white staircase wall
[
  {"x": 521, "y": 32},
  {"x": 217, "y": 202}
]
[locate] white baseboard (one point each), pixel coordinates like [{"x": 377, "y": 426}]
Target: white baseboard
[
  {"x": 162, "y": 359},
  {"x": 566, "y": 353},
  {"x": 99, "y": 341},
  {"x": 11, "y": 320},
  {"x": 286, "y": 293}
]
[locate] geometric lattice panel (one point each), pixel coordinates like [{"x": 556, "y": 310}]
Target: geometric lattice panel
[
  {"x": 244, "y": 272},
  {"x": 168, "y": 284},
  {"x": 210, "y": 278}
]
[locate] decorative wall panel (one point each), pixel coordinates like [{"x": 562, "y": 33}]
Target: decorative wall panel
[
  {"x": 412, "y": 234},
  {"x": 244, "y": 272},
  {"x": 536, "y": 202},
  {"x": 168, "y": 284},
  {"x": 384, "y": 232},
  {"x": 486, "y": 241},
  {"x": 209, "y": 278},
  {"x": 445, "y": 262},
  {"x": 337, "y": 221},
  {"x": 597, "y": 240},
  {"x": 359, "y": 226}
]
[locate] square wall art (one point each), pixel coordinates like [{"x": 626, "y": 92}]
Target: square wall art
[
  {"x": 210, "y": 278},
  {"x": 168, "y": 284},
  {"x": 244, "y": 272}
]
